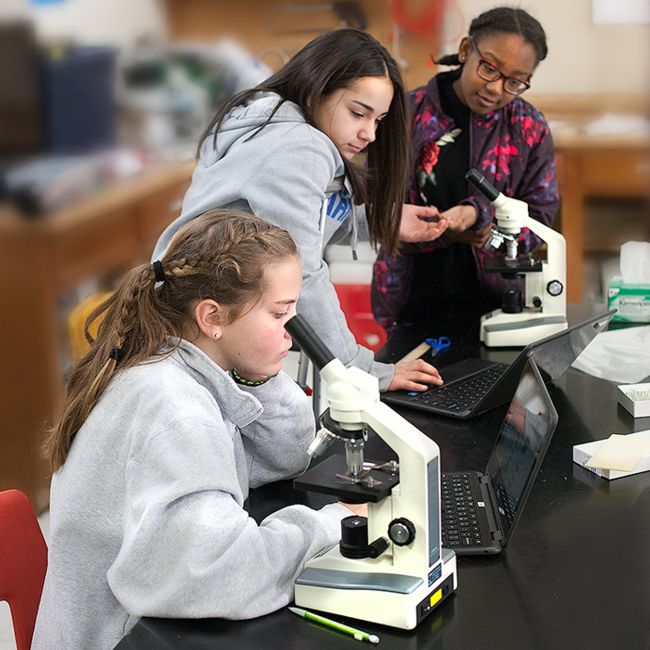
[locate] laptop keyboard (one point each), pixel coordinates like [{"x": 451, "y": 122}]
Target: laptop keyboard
[
  {"x": 460, "y": 526},
  {"x": 465, "y": 394}
]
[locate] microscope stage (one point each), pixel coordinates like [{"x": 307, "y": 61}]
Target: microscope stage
[
  {"x": 523, "y": 264},
  {"x": 323, "y": 478}
]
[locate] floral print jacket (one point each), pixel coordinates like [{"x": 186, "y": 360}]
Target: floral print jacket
[{"x": 512, "y": 147}]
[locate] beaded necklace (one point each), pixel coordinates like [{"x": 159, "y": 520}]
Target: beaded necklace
[{"x": 248, "y": 382}]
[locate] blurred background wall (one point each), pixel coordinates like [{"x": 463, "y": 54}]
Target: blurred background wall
[
  {"x": 92, "y": 22},
  {"x": 584, "y": 57}
]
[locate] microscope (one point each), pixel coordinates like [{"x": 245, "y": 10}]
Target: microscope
[
  {"x": 389, "y": 567},
  {"x": 543, "y": 312}
]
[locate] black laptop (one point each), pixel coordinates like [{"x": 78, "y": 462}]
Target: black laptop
[
  {"x": 475, "y": 385},
  {"x": 480, "y": 510}
]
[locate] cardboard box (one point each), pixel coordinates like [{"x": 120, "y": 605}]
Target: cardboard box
[
  {"x": 631, "y": 300},
  {"x": 582, "y": 453}
]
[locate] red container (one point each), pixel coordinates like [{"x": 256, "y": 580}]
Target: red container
[{"x": 355, "y": 303}]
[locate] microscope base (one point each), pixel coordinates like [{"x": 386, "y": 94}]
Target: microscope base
[
  {"x": 391, "y": 599},
  {"x": 499, "y": 329}
]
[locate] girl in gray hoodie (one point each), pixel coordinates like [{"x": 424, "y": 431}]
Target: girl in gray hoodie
[
  {"x": 285, "y": 151},
  {"x": 177, "y": 409}
]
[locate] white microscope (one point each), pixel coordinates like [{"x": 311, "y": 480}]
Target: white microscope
[
  {"x": 390, "y": 567},
  {"x": 544, "y": 310}
]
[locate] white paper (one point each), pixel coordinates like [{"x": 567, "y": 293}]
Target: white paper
[
  {"x": 621, "y": 355},
  {"x": 621, "y": 452}
]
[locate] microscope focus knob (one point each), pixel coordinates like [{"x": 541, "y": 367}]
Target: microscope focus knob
[
  {"x": 555, "y": 287},
  {"x": 401, "y": 531}
]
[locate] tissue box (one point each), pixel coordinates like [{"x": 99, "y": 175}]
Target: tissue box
[
  {"x": 631, "y": 300},
  {"x": 582, "y": 453},
  {"x": 634, "y": 398}
]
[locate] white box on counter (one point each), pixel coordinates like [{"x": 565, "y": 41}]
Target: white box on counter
[
  {"x": 635, "y": 398},
  {"x": 582, "y": 454}
]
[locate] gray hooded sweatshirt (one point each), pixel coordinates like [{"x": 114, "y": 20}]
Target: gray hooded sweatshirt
[
  {"x": 292, "y": 175},
  {"x": 147, "y": 514}
]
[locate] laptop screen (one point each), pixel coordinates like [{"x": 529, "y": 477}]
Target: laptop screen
[
  {"x": 553, "y": 355},
  {"x": 520, "y": 446}
]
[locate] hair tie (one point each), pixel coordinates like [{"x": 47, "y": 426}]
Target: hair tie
[
  {"x": 117, "y": 354},
  {"x": 158, "y": 272}
]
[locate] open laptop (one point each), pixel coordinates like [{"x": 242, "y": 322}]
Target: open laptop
[
  {"x": 476, "y": 385},
  {"x": 480, "y": 511}
]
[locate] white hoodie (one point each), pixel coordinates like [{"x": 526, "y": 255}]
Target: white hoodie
[
  {"x": 292, "y": 175},
  {"x": 146, "y": 514}
]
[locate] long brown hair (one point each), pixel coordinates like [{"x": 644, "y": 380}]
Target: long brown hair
[
  {"x": 220, "y": 255},
  {"x": 334, "y": 60}
]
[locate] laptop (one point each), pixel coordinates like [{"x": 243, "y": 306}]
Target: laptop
[
  {"x": 476, "y": 385},
  {"x": 480, "y": 511}
]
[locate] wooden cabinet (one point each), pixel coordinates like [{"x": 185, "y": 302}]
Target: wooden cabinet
[
  {"x": 593, "y": 167},
  {"x": 595, "y": 164},
  {"x": 616, "y": 172},
  {"x": 42, "y": 259}
]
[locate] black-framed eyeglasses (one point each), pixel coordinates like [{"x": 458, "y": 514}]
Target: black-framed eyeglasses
[{"x": 488, "y": 72}]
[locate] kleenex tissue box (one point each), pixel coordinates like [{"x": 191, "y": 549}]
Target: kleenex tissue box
[{"x": 631, "y": 300}]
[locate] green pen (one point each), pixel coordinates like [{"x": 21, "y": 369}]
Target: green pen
[{"x": 359, "y": 635}]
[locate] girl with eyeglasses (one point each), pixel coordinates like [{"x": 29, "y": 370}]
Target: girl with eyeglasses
[{"x": 470, "y": 117}]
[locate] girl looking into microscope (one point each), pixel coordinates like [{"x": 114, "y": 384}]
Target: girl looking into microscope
[
  {"x": 473, "y": 116},
  {"x": 176, "y": 410},
  {"x": 287, "y": 151}
]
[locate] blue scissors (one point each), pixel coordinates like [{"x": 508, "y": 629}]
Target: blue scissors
[{"x": 438, "y": 344}]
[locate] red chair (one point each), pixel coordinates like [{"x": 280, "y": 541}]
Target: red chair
[{"x": 23, "y": 561}]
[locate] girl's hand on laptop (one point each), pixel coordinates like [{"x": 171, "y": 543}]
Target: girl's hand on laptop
[{"x": 414, "y": 375}]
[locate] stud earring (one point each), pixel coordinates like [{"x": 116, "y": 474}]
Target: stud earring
[{"x": 217, "y": 335}]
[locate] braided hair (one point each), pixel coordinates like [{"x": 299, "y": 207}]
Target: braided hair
[
  {"x": 221, "y": 255},
  {"x": 505, "y": 20}
]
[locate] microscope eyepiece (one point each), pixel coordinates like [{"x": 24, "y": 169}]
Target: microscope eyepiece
[
  {"x": 302, "y": 332},
  {"x": 482, "y": 184}
]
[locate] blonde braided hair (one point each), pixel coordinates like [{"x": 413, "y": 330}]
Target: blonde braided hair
[{"x": 220, "y": 255}]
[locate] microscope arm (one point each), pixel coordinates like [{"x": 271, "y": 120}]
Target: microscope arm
[
  {"x": 555, "y": 248},
  {"x": 417, "y": 497},
  {"x": 511, "y": 216},
  {"x": 353, "y": 399}
]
